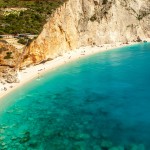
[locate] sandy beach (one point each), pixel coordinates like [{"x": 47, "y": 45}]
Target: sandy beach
[{"x": 37, "y": 70}]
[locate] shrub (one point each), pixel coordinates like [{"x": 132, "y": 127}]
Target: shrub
[
  {"x": 93, "y": 18},
  {"x": 22, "y": 41},
  {"x": 8, "y": 55}
]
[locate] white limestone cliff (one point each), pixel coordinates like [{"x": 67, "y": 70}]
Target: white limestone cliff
[{"x": 90, "y": 22}]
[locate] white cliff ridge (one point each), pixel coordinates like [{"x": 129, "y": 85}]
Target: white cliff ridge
[{"x": 90, "y": 22}]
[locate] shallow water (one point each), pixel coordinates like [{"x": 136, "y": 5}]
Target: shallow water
[{"x": 101, "y": 102}]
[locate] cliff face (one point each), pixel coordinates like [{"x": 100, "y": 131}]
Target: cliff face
[
  {"x": 8, "y": 61},
  {"x": 90, "y": 22},
  {"x": 8, "y": 55}
]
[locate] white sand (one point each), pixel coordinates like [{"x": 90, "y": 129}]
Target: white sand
[{"x": 36, "y": 71}]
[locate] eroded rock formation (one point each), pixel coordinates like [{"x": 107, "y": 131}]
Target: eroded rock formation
[
  {"x": 90, "y": 22},
  {"x": 8, "y": 61}
]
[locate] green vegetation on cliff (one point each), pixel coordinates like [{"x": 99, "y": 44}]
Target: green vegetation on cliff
[{"x": 29, "y": 16}]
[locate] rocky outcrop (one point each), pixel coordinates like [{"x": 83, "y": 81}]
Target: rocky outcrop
[
  {"x": 8, "y": 75},
  {"x": 8, "y": 60},
  {"x": 8, "y": 55},
  {"x": 90, "y": 22}
]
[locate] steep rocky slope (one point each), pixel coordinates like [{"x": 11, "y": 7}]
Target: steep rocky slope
[
  {"x": 8, "y": 55},
  {"x": 90, "y": 22},
  {"x": 8, "y": 61}
]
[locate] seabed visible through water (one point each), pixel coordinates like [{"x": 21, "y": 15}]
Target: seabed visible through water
[{"x": 101, "y": 102}]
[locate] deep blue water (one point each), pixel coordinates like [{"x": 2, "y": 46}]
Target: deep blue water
[{"x": 101, "y": 102}]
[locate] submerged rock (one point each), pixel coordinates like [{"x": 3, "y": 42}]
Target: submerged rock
[
  {"x": 14, "y": 138},
  {"x": 80, "y": 136},
  {"x": 2, "y": 131},
  {"x": 25, "y": 138},
  {"x": 136, "y": 147},
  {"x": 117, "y": 148},
  {"x": 105, "y": 144},
  {"x": 80, "y": 146},
  {"x": 2, "y": 138},
  {"x": 33, "y": 144},
  {"x": 96, "y": 147}
]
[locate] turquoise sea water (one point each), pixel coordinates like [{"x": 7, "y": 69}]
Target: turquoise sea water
[{"x": 101, "y": 102}]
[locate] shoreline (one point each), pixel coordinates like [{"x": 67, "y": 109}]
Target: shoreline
[{"x": 36, "y": 71}]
